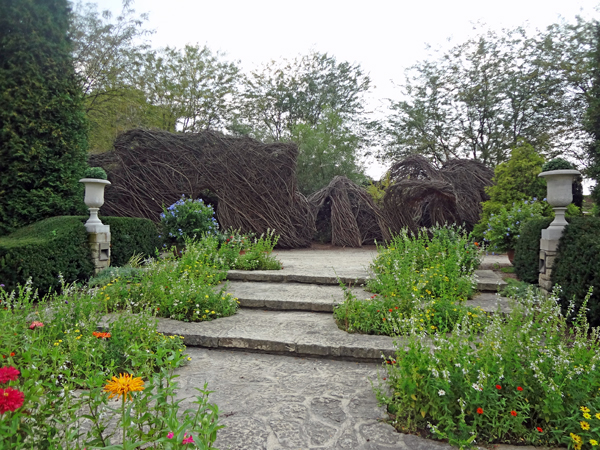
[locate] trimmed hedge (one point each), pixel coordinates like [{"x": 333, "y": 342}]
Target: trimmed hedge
[
  {"x": 131, "y": 235},
  {"x": 42, "y": 251},
  {"x": 527, "y": 249},
  {"x": 60, "y": 245},
  {"x": 577, "y": 265}
]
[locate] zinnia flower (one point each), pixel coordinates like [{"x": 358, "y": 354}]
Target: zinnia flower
[
  {"x": 35, "y": 324},
  {"x": 187, "y": 439},
  {"x": 479, "y": 411},
  {"x": 513, "y": 413},
  {"x": 498, "y": 387},
  {"x": 519, "y": 388},
  {"x": 539, "y": 429},
  {"x": 8, "y": 373},
  {"x": 101, "y": 335},
  {"x": 123, "y": 386},
  {"x": 10, "y": 399},
  {"x": 170, "y": 435},
  {"x": 584, "y": 425}
]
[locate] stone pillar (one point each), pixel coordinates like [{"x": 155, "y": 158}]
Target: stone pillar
[
  {"x": 99, "y": 240},
  {"x": 548, "y": 248}
]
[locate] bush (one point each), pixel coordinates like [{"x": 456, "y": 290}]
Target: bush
[
  {"x": 419, "y": 284},
  {"x": 42, "y": 251},
  {"x": 577, "y": 265},
  {"x": 527, "y": 249},
  {"x": 557, "y": 164},
  {"x": 504, "y": 228},
  {"x": 131, "y": 235},
  {"x": 95, "y": 172},
  {"x": 188, "y": 219}
]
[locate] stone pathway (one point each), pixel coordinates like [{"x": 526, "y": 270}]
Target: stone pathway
[{"x": 284, "y": 375}]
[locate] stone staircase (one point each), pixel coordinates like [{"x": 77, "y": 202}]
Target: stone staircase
[{"x": 289, "y": 311}]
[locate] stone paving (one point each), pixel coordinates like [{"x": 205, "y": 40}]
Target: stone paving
[{"x": 270, "y": 395}]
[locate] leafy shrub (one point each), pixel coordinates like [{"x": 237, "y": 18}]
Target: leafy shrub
[
  {"x": 131, "y": 236},
  {"x": 188, "y": 219},
  {"x": 417, "y": 278},
  {"x": 527, "y": 249},
  {"x": 504, "y": 228},
  {"x": 577, "y": 264},
  {"x": 257, "y": 255},
  {"x": 557, "y": 164},
  {"x": 95, "y": 172},
  {"x": 521, "y": 380},
  {"x": 43, "y": 250}
]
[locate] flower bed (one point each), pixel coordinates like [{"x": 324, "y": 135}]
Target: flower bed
[
  {"x": 529, "y": 378},
  {"x": 420, "y": 284}
]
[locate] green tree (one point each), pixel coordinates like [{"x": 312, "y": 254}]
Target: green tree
[
  {"x": 592, "y": 123},
  {"x": 478, "y": 99},
  {"x": 325, "y": 151},
  {"x": 43, "y": 129}
]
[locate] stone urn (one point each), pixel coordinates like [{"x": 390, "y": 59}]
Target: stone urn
[
  {"x": 560, "y": 195},
  {"x": 94, "y": 199}
]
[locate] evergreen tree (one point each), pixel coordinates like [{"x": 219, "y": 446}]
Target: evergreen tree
[
  {"x": 43, "y": 139},
  {"x": 592, "y": 123}
]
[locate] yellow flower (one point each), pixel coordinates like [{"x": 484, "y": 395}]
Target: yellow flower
[
  {"x": 587, "y": 416},
  {"x": 584, "y": 409},
  {"x": 123, "y": 386},
  {"x": 598, "y": 416},
  {"x": 594, "y": 442},
  {"x": 212, "y": 312},
  {"x": 584, "y": 425}
]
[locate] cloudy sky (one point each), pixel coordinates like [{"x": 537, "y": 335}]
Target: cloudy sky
[{"x": 383, "y": 36}]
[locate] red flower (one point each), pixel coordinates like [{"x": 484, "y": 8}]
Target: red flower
[
  {"x": 12, "y": 353},
  {"x": 377, "y": 310},
  {"x": 10, "y": 399},
  {"x": 35, "y": 324},
  {"x": 539, "y": 429},
  {"x": 498, "y": 387},
  {"x": 395, "y": 307},
  {"x": 513, "y": 413},
  {"x": 479, "y": 411},
  {"x": 391, "y": 310},
  {"x": 101, "y": 335},
  {"x": 384, "y": 319},
  {"x": 8, "y": 373},
  {"x": 519, "y": 388}
]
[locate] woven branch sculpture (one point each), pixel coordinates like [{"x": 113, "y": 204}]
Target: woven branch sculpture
[
  {"x": 349, "y": 213},
  {"x": 420, "y": 195},
  {"x": 255, "y": 183}
]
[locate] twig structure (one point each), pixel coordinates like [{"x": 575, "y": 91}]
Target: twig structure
[
  {"x": 347, "y": 215},
  {"x": 255, "y": 183}
]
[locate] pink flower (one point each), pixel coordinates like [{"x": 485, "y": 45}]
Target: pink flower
[
  {"x": 8, "y": 373},
  {"x": 187, "y": 439},
  {"x": 170, "y": 435},
  {"x": 10, "y": 399},
  {"x": 35, "y": 324}
]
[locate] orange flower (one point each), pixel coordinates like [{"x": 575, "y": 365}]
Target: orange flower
[
  {"x": 513, "y": 413},
  {"x": 101, "y": 335},
  {"x": 123, "y": 386}
]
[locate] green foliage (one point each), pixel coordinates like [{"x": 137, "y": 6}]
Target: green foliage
[
  {"x": 577, "y": 265},
  {"x": 504, "y": 228},
  {"x": 257, "y": 255},
  {"x": 188, "y": 219},
  {"x": 592, "y": 117},
  {"x": 557, "y": 164},
  {"x": 527, "y": 249},
  {"x": 186, "y": 288},
  {"x": 327, "y": 149},
  {"x": 516, "y": 289},
  {"x": 51, "y": 342},
  {"x": 419, "y": 285},
  {"x": 95, "y": 172},
  {"x": 42, "y": 124},
  {"x": 131, "y": 236},
  {"x": 521, "y": 380},
  {"x": 377, "y": 190},
  {"x": 42, "y": 251}
]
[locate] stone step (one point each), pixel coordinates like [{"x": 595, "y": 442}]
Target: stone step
[
  {"x": 281, "y": 332},
  {"x": 487, "y": 280},
  {"x": 490, "y": 302},
  {"x": 290, "y": 296}
]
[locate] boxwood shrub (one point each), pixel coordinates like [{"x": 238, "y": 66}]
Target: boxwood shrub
[
  {"x": 42, "y": 251},
  {"x": 527, "y": 249},
  {"x": 577, "y": 265},
  {"x": 131, "y": 235}
]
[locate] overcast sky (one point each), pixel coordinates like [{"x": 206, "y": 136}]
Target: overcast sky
[{"x": 384, "y": 37}]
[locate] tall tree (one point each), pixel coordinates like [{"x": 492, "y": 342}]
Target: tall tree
[
  {"x": 43, "y": 128},
  {"x": 593, "y": 119},
  {"x": 480, "y": 98}
]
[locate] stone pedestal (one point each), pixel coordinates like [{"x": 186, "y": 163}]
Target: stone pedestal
[{"x": 99, "y": 240}]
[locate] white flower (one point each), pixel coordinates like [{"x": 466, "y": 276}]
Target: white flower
[
  {"x": 441, "y": 392},
  {"x": 477, "y": 387}
]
